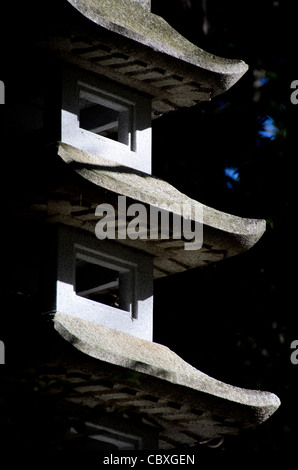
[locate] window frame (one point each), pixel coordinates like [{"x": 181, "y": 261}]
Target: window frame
[
  {"x": 124, "y": 267},
  {"x": 126, "y": 125},
  {"x": 138, "y": 267},
  {"x": 133, "y": 147}
]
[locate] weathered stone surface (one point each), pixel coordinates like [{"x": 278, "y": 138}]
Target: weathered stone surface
[
  {"x": 124, "y": 42},
  {"x": 145, "y": 3},
  {"x": 80, "y": 181},
  {"x": 224, "y": 234},
  {"x": 130, "y": 19},
  {"x": 204, "y": 406}
]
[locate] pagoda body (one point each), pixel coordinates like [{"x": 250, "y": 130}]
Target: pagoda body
[{"x": 100, "y": 71}]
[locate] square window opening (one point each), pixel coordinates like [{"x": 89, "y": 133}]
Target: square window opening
[
  {"x": 106, "y": 117},
  {"x": 103, "y": 284}
]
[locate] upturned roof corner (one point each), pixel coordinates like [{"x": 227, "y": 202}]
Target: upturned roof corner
[
  {"x": 115, "y": 66},
  {"x": 152, "y": 57}
]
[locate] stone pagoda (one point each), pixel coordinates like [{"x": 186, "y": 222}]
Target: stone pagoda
[{"x": 98, "y": 228}]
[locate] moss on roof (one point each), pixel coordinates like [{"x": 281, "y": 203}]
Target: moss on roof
[{"x": 130, "y": 19}]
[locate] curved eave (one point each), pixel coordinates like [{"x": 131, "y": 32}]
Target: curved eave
[
  {"x": 232, "y": 408},
  {"x": 131, "y": 20},
  {"x": 224, "y": 235}
]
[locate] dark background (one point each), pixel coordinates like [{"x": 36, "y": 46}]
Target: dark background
[{"x": 235, "y": 320}]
